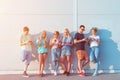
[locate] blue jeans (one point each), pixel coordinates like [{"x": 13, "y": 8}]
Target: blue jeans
[
  {"x": 94, "y": 56},
  {"x": 26, "y": 56},
  {"x": 55, "y": 57}
]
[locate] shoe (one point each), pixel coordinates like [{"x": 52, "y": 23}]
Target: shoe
[
  {"x": 65, "y": 72},
  {"x": 25, "y": 74},
  {"x": 55, "y": 73},
  {"x": 94, "y": 74},
  {"x": 41, "y": 75},
  {"x": 82, "y": 74},
  {"x": 78, "y": 70},
  {"x": 68, "y": 73}
]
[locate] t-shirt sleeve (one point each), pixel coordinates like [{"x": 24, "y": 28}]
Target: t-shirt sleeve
[{"x": 76, "y": 36}]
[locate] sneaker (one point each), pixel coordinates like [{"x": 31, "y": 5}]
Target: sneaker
[
  {"x": 67, "y": 74},
  {"x": 82, "y": 74},
  {"x": 78, "y": 70},
  {"x": 25, "y": 74},
  {"x": 94, "y": 74},
  {"x": 41, "y": 75},
  {"x": 55, "y": 73}
]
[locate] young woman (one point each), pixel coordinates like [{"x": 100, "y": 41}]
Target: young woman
[
  {"x": 42, "y": 51},
  {"x": 55, "y": 51},
  {"x": 67, "y": 43},
  {"x": 94, "y": 41}
]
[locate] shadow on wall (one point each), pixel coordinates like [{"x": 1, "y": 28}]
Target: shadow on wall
[
  {"x": 35, "y": 54},
  {"x": 109, "y": 53},
  {"x": 49, "y": 61}
]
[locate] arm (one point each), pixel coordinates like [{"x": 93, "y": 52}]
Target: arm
[
  {"x": 51, "y": 43},
  {"x": 79, "y": 41},
  {"x": 21, "y": 42},
  {"x": 45, "y": 44},
  {"x": 98, "y": 42}
]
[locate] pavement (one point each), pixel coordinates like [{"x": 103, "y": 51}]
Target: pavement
[{"x": 60, "y": 77}]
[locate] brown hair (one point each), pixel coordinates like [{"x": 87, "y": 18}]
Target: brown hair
[
  {"x": 25, "y": 28},
  {"x": 95, "y": 29},
  {"x": 82, "y": 26},
  {"x": 57, "y": 32}
]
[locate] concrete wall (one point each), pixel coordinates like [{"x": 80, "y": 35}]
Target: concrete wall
[{"x": 54, "y": 15}]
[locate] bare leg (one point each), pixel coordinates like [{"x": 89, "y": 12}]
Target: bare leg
[
  {"x": 40, "y": 62},
  {"x": 43, "y": 62},
  {"x": 63, "y": 63},
  {"x": 69, "y": 63},
  {"x": 25, "y": 68}
]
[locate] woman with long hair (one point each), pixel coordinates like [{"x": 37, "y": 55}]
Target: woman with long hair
[
  {"x": 42, "y": 50},
  {"x": 66, "y": 43}
]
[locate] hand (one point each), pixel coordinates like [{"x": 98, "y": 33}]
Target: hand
[{"x": 84, "y": 39}]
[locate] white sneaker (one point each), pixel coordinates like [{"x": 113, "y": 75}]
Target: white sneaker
[{"x": 55, "y": 73}]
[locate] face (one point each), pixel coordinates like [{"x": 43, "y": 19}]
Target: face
[
  {"x": 66, "y": 33},
  {"x": 82, "y": 29},
  {"x": 93, "y": 32},
  {"x": 55, "y": 35},
  {"x": 44, "y": 34},
  {"x": 26, "y": 32}
]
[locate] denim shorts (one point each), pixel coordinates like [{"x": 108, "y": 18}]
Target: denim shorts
[
  {"x": 55, "y": 53},
  {"x": 26, "y": 56},
  {"x": 66, "y": 52}
]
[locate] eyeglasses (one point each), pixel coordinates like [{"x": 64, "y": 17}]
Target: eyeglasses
[{"x": 83, "y": 29}]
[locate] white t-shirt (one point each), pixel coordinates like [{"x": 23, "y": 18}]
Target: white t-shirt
[
  {"x": 26, "y": 39},
  {"x": 93, "y": 40}
]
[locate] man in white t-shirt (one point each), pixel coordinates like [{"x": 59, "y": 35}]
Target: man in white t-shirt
[{"x": 26, "y": 46}]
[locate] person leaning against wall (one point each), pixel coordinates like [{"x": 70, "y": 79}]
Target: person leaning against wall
[
  {"x": 42, "y": 50},
  {"x": 26, "y": 43},
  {"x": 66, "y": 43},
  {"x": 94, "y": 42},
  {"x": 55, "y": 50},
  {"x": 82, "y": 56}
]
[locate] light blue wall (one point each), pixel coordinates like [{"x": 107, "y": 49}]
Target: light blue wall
[
  {"x": 54, "y": 15},
  {"x": 104, "y": 14}
]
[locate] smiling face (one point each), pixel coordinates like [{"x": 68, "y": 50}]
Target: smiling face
[
  {"x": 56, "y": 34},
  {"x": 94, "y": 31},
  {"x": 66, "y": 32},
  {"x": 82, "y": 29},
  {"x": 26, "y": 30},
  {"x": 43, "y": 34}
]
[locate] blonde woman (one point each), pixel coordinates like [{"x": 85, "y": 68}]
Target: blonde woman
[
  {"x": 42, "y": 51},
  {"x": 67, "y": 43}
]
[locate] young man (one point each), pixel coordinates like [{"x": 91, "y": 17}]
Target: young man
[
  {"x": 82, "y": 55},
  {"x": 26, "y": 46}
]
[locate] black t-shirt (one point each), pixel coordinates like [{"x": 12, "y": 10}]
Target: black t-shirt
[{"x": 81, "y": 45}]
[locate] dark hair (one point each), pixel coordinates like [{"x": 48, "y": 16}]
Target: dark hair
[
  {"x": 25, "y": 28},
  {"x": 57, "y": 32},
  {"x": 82, "y": 26},
  {"x": 95, "y": 29}
]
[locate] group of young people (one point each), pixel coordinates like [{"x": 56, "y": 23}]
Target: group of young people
[{"x": 61, "y": 50}]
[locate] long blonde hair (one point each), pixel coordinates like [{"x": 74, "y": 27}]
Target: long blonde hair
[
  {"x": 69, "y": 36},
  {"x": 41, "y": 36}
]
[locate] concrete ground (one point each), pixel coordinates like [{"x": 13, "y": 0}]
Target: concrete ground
[{"x": 60, "y": 77}]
